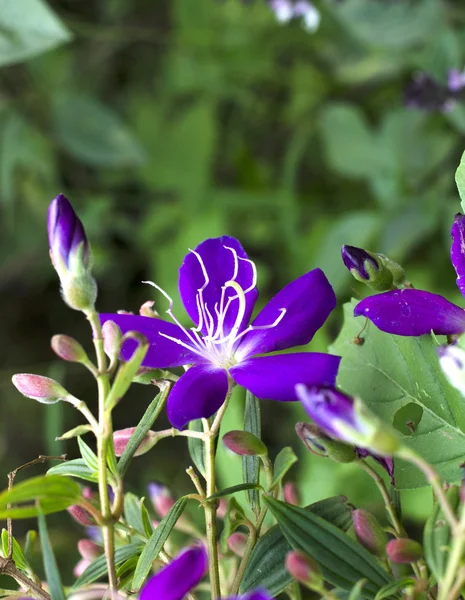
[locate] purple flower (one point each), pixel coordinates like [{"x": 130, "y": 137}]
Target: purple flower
[
  {"x": 346, "y": 419},
  {"x": 175, "y": 580},
  {"x": 217, "y": 284},
  {"x": 70, "y": 254},
  {"x": 412, "y": 312},
  {"x": 359, "y": 261}
]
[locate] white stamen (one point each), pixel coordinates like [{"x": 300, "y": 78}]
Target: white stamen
[
  {"x": 162, "y": 291},
  {"x": 254, "y": 274},
  {"x": 236, "y": 262}
]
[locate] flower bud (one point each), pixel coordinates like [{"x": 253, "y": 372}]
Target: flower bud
[
  {"x": 160, "y": 497},
  {"x": 122, "y": 436},
  {"x": 80, "y": 515},
  {"x": 377, "y": 271},
  {"x": 320, "y": 444},
  {"x": 291, "y": 493},
  {"x": 369, "y": 532},
  {"x": 112, "y": 338},
  {"x": 404, "y": 550},
  {"x": 37, "y": 387},
  {"x": 237, "y": 543},
  {"x": 452, "y": 361},
  {"x": 347, "y": 419},
  {"x": 147, "y": 310},
  {"x": 67, "y": 348},
  {"x": 71, "y": 255},
  {"x": 244, "y": 443},
  {"x": 88, "y": 549},
  {"x": 304, "y": 569},
  {"x": 222, "y": 509}
]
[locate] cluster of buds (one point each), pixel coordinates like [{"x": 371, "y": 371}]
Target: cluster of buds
[{"x": 376, "y": 270}]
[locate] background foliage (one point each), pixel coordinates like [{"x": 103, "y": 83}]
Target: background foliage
[{"x": 167, "y": 122}]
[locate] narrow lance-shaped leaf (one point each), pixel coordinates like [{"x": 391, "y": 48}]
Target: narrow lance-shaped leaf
[
  {"x": 251, "y": 464},
  {"x": 98, "y": 568},
  {"x": 89, "y": 457},
  {"x": 18, "y": 555},
  {"x": 74, "y": 468},
  {"x": 196, "y": 447},
  {"x": 284, "y": 461},
  {"x": 52, "y": 573}
]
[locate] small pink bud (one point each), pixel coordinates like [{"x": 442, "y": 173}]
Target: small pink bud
[
  {"x": 291, "y": 493},
  {"x": 237, "y": 543},
  {"x": 87, "y": 492},
  {"x": 147, "y": 310},
  {"x": 68, "y": 349},
  {"x": 161, "y": 498},
  {"x": 222, "y": 509},
  {"x": 37, "y": 387},
  {"x": 88, "y": 549},
  {"x": 112, "y": 338},
  {"x": 404, "y": 550},
  {"x": 244, "y": 443},
  {"x": 81, "y": 515},
  {"x": 369, "y": 532},
  {"x": 80, "y": 567},
  {"x": 122, "y": 436},
  {"x": 304, "y": 569}
]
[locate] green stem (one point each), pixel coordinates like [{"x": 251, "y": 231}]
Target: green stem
[
  {"x": 104, "y": 438},
  {"x": 455, "y": 556}
]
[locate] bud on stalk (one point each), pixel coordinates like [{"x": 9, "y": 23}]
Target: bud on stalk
[
  {"x": 37, "y": 387},
  {"x": 244, "y": 443},
  {"x": 67, "y": 348},
  {"x": 404, "y": 550},
  {"x": 320, "y": 444},
  {"x": 377, "y": 271},
  {"x": 369, "y": 532},
  {"x": 304, "y": 569},
  {"x": 122, "y": 436}
]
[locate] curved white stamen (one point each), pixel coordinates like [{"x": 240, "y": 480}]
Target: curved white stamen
[
  {"x": 254, "y": 274},
  {"x": 162, "y": 291},
  {"x": 204, "y": 270},
  {"x": 236, "y": 262},
  {"x": 239, "y": 316},
  {"x": 181, "y": 343},
  {"x": 256, "y": 327},
  {"x": 199, "y": 311}
]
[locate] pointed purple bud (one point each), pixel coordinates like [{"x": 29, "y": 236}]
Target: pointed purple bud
[
  {"x": 457, "y": 250},
  {"x": 244, "y": 443},
  {"x": 304, "y": 569},
  {"x": 404, "y": 550},
  {"x": 321, "y": 444},
  {"x": 369, "y": 532},
  {"x": 347, "y": 419},
  {"x": 359, "y": 262},
  {"x": 122, "y": 436},
  {"x": 178, "y": 578},
  {"x": 67, "y": 348},
  {"x": 37, "y": 387},
  {"x": 385, "y": 461},
  {"x": 377, "y": 271},
  {"x": 71, "y": 255}
]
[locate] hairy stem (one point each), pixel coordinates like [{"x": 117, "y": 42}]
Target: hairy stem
[{"x": 446, "y": 585}]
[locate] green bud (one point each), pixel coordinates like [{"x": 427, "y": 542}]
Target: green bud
[{"x": 317, "y": 442}]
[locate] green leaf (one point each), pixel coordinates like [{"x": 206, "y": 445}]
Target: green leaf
[
  {"x": 98, "y": 568},
  {"x": 251, "y": 464},
  {"x": 266, "y": 567},
  {"x": 133, "y": 512},
  {"x": 75, "y": 432},
  {"x": 460, "y": 181},
  {"x": 343, "y": 562},
  {"x": 388, "y": 372},
  {"x": 127, "y": 370},
  {"x": 393, "y": 588},
  {"x": 143, "y": 427},
  {"x": 125, "y": 572},
  {"x": 284, "y": 461},
  {"x": 31, "y": 537},
  {"x": 93, "y": 133},
  {"x": 18, "y": 556},
  {"x": 52, "y": 574},
  {"x": 233, "y": 519},
  {"x": 197, "y": 447},
  {"x": 156, "y": 542},
  {"x": 356, "y": 591},
  {"x": 437, "y": 537},
  {"x": 74, "y": 468},
  {"x": 233, "y": 489},
  {"x": 90, "y": 458},
  {"x": 28, "y": 28}
]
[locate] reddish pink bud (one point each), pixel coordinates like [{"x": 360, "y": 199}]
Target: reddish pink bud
[
  {"x": 237, "y": 543},
  {"x": 369, "y": 532},
  {"x": 304, "y": 569},
  {"x": 112, "y": 337},
  {"x": 244, "y": 443},
  {"x": 68, "y": 349},
  {"x": 37, "y": 387},
  {"x": 87, "y": 492},
  {"x": 88, "y": 549},
  {"x": 404, "y": 550},
  {"x": 161, "y": 498},
  {"x": 121, "y": 439},
  {"x": 291, "y": 493},
  {"x": 81, "y": 515},
  {"x": 222, "y": 509}
]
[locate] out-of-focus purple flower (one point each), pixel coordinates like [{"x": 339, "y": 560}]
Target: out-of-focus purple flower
[
  {"x": 412, "y": 312},
  {"x": 456, "y": 80},
  {"x": 161, "y": 498},
  {"x": 345, "y": 418},
  {"x": 286, "y": 10},
  {"x": 217, "y": 284},
  {"x": 70, "y": 254},
  {"x": 452, "y": 361},
  {"x": 385, "y": 461},
  {"x": 426, "y": 93}
]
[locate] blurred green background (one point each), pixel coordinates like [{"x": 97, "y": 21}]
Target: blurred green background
[{"x": 171, "y": 121}]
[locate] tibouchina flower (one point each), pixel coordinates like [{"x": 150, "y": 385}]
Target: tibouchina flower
[
  {"x": 347, "y": 419},
  {"x": 178, "y": 578},
  {"x": 413, "y": 312},
  {"x": 217, "y": 284}
]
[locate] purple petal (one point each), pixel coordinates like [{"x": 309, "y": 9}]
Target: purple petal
[
  {"x": 197, "y": 395},
  {"x": 387, "y": 462},
  {"x": 65, "y": 230},
  {"x": 412, "y": 312},
  {"x": 258, "y": 594},
  {"x": 275, "y": 377},
  {"x": 162, "y": 353},
  {"x": 308, "y": 301},
  {"x": 175, "y": 580},
  {"x": 457, "y": 251},
  {"x": 220, "y": 260}
]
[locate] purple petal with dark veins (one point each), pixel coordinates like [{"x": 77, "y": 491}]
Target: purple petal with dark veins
[
  {"x": 198, "y": 394},
  {"x": 308, "y": 301},
  {"x": 412, "y": 312},
  {"x": 162, "y": 353},
  {"x": 175, "y": 580},
  {"x": 457, "y": 250},
  {"x": 275, "y": 377},
  {"x": 220, "y": 267}
]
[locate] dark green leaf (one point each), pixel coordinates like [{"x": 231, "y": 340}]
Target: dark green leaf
[
  {"x": 197, "y": 447},
  {"x": 266, "y": 566},
  {"x": 251, "y": 464},
  {"x": 393, "y": 588},
  {"x": 156, "y": 542},
  {"x": 52, "y": 573},
  {"x": 132, "y": 512},
  {"x": 74, "y": 468},
  {"x": 89, "y": 457},
  {"x": 98, "y": 568},
  {"x": 284, "y": 461},
  {"x": 18, "y": 556},
  {"x": 343, "y": 562},
  {"x": 233, "y": 489}
]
